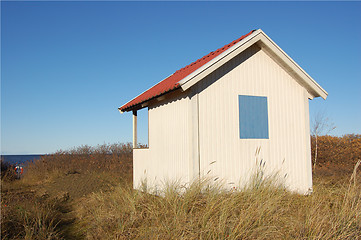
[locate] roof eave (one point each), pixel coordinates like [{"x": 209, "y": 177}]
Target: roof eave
[
  {"x": 257, "y": 37},
  {"x": 263, "y": 40},
  {"x": 193, "y": 78},
  {"x": 145, "y": 103},
  {"x": 315, "y": 88}
]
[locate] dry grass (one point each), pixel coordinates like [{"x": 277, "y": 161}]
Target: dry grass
[
  {"x": 7, "y": 173},
  {"x": 86, "y": 193},
  {"x": 114, "y": 159},
  {"x": 204, "y": 212},
  {"x": 336, "y": 155},
  {"x": 27, "y": 216},
  {"x": 39, "y": 206}
]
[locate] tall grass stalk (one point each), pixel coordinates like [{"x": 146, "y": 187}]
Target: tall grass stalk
[
  {"x": 28, "y": 216},
  {"x": 202, "y": 211}
]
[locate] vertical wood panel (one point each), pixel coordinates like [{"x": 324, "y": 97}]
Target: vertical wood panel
[
  {"x": 173, "y": 129},
  {"x": 167, "y": 159},
  {"x": 226, "y": 156},
  {"x": 135, "y": 130},
  {"x": 308, "y": 142}
]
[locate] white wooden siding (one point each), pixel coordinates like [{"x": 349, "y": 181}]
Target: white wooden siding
[
  {"x": 223, "y": 154},
  {"x": 167, "y": 159},
  {"x": 197, "y": 132}
]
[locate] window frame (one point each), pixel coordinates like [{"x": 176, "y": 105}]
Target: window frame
[{"x": 261, "y": 103}]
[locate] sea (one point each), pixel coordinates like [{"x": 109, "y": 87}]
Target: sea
[{"x": 20, "y": 159}]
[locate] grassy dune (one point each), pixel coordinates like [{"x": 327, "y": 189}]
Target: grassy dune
[
  {"x": 263, "y": 212},
  {"x": 85, "y": 193}
]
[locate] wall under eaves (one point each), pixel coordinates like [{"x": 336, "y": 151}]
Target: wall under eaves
[{"x": 223, "y": 155}]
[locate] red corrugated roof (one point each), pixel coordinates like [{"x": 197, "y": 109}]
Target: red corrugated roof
[{"x": 172, "y": 82}]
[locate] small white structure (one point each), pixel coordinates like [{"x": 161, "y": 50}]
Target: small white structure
[{"x": 215, "y": 117}]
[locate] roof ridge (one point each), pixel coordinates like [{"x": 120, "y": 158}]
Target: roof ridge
[
  {"x": 228, "y": 45},
  {"x": 172, "y": 82}
]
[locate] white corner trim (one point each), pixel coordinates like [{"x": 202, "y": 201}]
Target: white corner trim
[
  {"x": 188, "y": 81},
  {"x": 294, "y": 66},
  {"x": 310, "y": 96},
  {"x": 255, "y": 37}
]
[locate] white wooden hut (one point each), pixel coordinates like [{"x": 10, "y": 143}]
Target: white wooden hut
[{"x": 222, "y": 114}]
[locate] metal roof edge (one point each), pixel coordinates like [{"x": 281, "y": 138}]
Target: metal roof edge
[
  {"x": 253, "y": 38},
  {"x": 119, "y": 108},
  {"x": 131, "y": 107}
]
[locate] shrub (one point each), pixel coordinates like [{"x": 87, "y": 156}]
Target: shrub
[
  {"x": 7, "y": 173},
  {"x": 337, "y": 155},
  {"x": 113, "y": 159}
]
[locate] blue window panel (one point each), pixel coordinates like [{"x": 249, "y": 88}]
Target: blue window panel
[{"x": 253, "y": 117}]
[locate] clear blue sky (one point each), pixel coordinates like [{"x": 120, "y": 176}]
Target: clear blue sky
[{"x": 67, "y": 66}]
